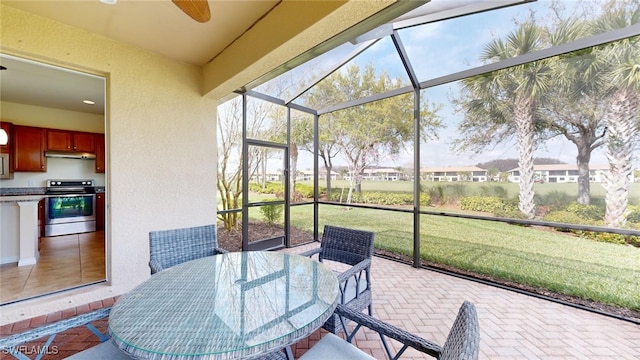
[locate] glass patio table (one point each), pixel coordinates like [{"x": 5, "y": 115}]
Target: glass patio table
[{"x": 227, "y": 306}]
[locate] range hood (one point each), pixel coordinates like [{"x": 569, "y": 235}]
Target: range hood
[{"x": 70, "y": 155}]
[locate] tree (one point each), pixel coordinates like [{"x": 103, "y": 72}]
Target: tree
[
  {"x": 364, "y": 135},
  {"x": 230, "y": 158},
  {"x": 621, "y": 65},
  {"x": 574, "y": 105},
  {"x": 229, "y": 183},
  {"x": 502, "y": 102}
]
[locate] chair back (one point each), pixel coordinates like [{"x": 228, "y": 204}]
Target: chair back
[
  {"x": 463, "y": 341},
  {"x": 175, "y": 246},
  {"x": 347, "y": 246}
]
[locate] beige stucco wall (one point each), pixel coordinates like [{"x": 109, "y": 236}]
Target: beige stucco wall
[{"x": 161, "y": 139}]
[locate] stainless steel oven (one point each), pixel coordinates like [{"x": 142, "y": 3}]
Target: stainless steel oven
[{"x": 70, "y": 207}]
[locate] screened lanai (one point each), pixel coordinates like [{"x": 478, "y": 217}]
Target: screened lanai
[{"x": 496, "y": 140}]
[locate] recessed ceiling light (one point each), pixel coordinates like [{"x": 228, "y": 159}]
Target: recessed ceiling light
[
  {"x": 89, "y": 102},
  {"x": 109, "y": 2}
]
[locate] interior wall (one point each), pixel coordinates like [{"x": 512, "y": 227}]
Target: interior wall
[
  {"x": 46, "y": 117},
  {"x": 161, "y": 144}
]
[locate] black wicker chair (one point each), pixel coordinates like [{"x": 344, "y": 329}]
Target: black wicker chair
[
  {"x": 355, "y": 249},
  {"x": 462, "y": 342},
  {"x": 171, "y": 247}
]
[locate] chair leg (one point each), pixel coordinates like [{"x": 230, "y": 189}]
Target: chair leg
[{"x": 288, "y": 353}]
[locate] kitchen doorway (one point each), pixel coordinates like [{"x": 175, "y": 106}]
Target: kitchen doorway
[{"x": 50, "y": 103}]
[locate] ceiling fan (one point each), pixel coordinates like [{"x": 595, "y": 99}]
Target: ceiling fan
[{"x": 198, "y": 10}]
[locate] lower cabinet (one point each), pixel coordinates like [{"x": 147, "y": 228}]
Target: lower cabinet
[
  {"x": 100, "y": 211},
  {"x": 40, "y": 220}
]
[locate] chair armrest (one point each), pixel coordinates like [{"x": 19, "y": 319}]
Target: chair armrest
[
  {"x": 219, "y": 251},
  {"x": 355, "y": 269},
  {"x": 155, "y": 266},
  {"x": 389, "y": 330},
  {"x": 310, "y": 253}
]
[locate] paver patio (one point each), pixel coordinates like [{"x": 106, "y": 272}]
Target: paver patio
[{"x": 512, "y": 325}]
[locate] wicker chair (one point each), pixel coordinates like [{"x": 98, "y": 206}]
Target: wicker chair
[
  {"x": 355, "y": 249},
  {"x": 462, "y": 342},
  {"x": 171, "y": 247}
]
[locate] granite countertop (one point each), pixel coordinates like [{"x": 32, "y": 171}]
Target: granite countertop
[{"x": 22, "y": 191}]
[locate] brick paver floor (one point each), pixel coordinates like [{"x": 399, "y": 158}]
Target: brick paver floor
[{"x": 512, "y": 325}]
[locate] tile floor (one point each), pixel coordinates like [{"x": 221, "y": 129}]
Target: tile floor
[
  {"x": 65, "y": 261},
  {"x": 512, "y": 325}
]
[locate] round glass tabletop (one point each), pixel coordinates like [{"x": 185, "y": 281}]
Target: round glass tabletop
[{"x": 227, "y": 306}]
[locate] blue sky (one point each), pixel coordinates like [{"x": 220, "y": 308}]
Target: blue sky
[
  {"x": 454, "y": 45},
  {"x": 443, "y": 48}
]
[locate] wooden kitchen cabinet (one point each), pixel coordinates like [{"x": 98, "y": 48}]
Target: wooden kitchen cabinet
[
  {"x": 29, "y": 144},
  {"x": 100, "y": 211},
  {"x": 64, "y": 140},
  {"x": 100, "y": 153},
  {"x": 41, "y": 219}
]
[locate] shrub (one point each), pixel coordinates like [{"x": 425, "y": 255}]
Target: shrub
[
  {"x": 494, "y": 190},
  {"x": 554, "y": 199},
  {"x": 634, "y": 214},
  {"x": 270, "y": 188},
  {"x": 446, "y": 193},
  {"x": 510, "y": 210},
  {"x": 381, "y": 198},
  {"x": 602, "y": 236},
  {"x": 271, "y": 213},
  {"x": 587, "y": 212},
  {"x": 306, "y": 191},
  {"x": 564, "y": 217},
  {"x": 490, "y": 204}
]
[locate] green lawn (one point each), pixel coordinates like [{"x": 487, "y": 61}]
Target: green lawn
[
  {"x": 555, "y": 261},
  {"x": 562, "y": 263}
]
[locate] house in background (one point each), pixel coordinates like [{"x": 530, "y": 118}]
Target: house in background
[
  {"x": 562, "y": 173},
  {"x": 384, "y": 174},
  {"x": 454, "y": 173},
  {"x": 307, "y": 175}
]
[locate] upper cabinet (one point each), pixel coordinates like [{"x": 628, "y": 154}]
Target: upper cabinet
[
  {"x": 29, "y": 144},
  {"x": 100, "y": 153},
  {"x": 64, "y": 140}
]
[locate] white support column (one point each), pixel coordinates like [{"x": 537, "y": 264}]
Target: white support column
[{"x": 28, "y": 215}]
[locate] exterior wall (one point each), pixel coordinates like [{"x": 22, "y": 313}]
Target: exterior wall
[
  {"x": 561, "y": 176},
  {"x": 160, "y": 136},
  {"x": 161, "y": 130}
]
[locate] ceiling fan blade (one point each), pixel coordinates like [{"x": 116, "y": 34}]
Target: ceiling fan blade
[{"x": 198, "y": 10}]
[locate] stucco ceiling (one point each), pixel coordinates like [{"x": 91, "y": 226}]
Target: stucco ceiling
[{"x": 154, "y": 25}]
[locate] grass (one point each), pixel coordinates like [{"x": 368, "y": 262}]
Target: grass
[
  {"x": 603, "y": 272},
  {"x": 551, "y": 260}
]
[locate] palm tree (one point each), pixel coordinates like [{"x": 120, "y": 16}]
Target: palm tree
[
  {"x": 621, "y": 65},
  {"x": 498, "y": 103}
]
